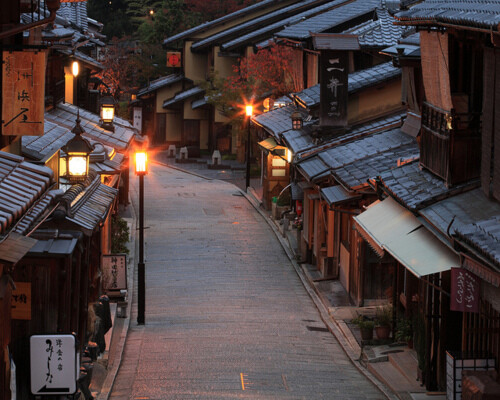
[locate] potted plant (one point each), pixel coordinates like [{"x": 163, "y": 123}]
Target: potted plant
[
  {"x": 365, "y": 327},
  {"x": 404, "y": 331},
  {"x": 383, "y": 320}
]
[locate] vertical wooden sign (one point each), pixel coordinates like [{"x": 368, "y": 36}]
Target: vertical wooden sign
[
  {"x": 333, "y": 88},
  {"x": 21, "y": 301},
  {"x": 23, "y": 92}
]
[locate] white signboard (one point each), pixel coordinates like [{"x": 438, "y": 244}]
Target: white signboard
[
  {"x": 53, "y": 364},
  {"x": 114, "y": 271},
  {"x": 138, "y": 118}
]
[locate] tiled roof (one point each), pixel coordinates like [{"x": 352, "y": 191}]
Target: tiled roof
[
  {"x": 313, "y": 168},
  {"x": 248, "y": 28},
  {"x": 337, "y": 194},
  {"x": 378, "y": 33},
  {"x": 35, "y": 212},
  {"x": 159, "y": 83},
  {"x": 328, "y": 20},
  {"x": 357, "y": 173},
  {"x": 357, "y": 80},
  {"x": 65, "y": 114},
  {"x": 371, "y": 145},
  {"x": 276, "y": 121},
  {"x": 184, "y": 95},
  {"x": 41, "y": 148},
  {"x": 476, "y": 221},
  {"x": 91, "y": 205},
  {"x": 21, "y": 185},
  {"x": 415, "y": 188},
  {"x": 222, "y": 20},
  {"x": 299, "y": 140},
  {"x": 472, "y": 13},
  {"x": 266, "y": 32}
]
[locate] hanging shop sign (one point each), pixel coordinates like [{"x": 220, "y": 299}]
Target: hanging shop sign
[
  {"x": 464, "y": 291},
  {"x": 23, "y": 92},
  {"x": 174, "y": 59},
  {"x": 54, "y": 363},
  {"x": 21, "y": 301},
  {"x": 114, "y": 272}
]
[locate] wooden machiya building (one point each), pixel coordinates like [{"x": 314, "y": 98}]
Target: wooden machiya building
[{"x": 446, "y": 206}]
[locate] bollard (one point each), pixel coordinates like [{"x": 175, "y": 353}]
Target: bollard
[
  {"x": 171, "y": 151},
  {"x": 184, "y": 153},
  {"x": 216, "y": 157}
]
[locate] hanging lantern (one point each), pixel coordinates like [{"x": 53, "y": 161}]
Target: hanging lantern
[
  {"x": 107, "y": 106},
  {"x": 77, "y": 152},
  {"x": 297, "y": 120}
]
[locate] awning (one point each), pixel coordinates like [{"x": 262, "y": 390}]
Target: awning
[
  {"x": 269, "y": 144},
  {"x": 388, "y": 226},
  {"x": 15, "y": 246}
]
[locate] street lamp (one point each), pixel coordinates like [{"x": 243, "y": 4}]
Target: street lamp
[
  {"x": 107, "y": 106},
  {"x": 78, "y": 149},
  {"x": 141, "y": 169},
  {"x": 77, "y": 152},
  {"x": 249, "y": 112}
]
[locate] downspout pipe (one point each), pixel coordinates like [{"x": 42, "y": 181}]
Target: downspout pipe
[{"x": 52, "y": 5}]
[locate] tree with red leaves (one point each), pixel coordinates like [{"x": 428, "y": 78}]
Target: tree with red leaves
[{"x": 271, "y": 72}]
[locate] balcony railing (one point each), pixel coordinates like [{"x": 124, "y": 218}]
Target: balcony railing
[{"x": 450, "y": 145}]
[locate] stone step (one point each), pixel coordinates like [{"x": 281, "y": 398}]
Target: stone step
[
  {"x": 406, "y": 362},
  {"x": 391, "y": 376}
]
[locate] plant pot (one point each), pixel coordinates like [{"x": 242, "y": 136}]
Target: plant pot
[
  {"x": 366, "y": 333},
  {"x": 383, "y": 332}
]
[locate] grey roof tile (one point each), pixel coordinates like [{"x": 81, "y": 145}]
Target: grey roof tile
[
  {"x": 186, "y": 94},
  {"x": 159, "y": 83},
  {"x": 328, "y": 20},
  {"x": 472, "y": 13}
]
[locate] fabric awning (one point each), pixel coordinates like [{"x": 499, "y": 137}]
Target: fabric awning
[{"x": 388, "y": 226}]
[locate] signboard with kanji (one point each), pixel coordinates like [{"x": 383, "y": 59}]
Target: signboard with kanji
[
  {"x": 334, "y": 86},
  {"x": 53, "y": 361},
  {"x": 23, "y": 93},
  {"x": 464, "y": 291},
  {"x": 114, "y": 272},
  {"x": 21, "y": 301}
]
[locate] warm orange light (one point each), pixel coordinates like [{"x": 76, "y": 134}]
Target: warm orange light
[
  {"x": 107, "y": 113},
  {"x": 289, "y": 156},
  {"x": 77, "y": 165},
  {"x": 141, "y": 163},
  {"x": 249, "y": 110},
  {"x": 75, "y": 68}
]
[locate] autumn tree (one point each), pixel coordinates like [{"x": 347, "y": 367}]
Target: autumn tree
[{"x": 271, "y": 72}]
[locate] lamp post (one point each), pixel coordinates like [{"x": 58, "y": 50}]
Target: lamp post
[
  {"x": 141, "y": 169},
  {"x": 249, "y": 112}
]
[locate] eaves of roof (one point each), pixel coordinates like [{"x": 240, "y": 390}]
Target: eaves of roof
[
  {"x": 220, "y": 21},
  {"x": 483, "y": 14},
  {"x": 160, "y": 83}
]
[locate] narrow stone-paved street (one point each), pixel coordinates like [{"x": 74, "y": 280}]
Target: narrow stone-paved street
[{"x": 226, "y": 315}]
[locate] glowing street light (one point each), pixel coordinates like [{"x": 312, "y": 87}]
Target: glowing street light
[
  {"x": 141, "y": 169},
  {"x": 249, "y": 113}
]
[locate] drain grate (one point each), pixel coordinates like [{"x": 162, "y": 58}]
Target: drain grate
[{"x": 317, "y": 329}]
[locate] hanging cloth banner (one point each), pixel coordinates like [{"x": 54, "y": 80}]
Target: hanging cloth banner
[{"x": 464, "y": 291}]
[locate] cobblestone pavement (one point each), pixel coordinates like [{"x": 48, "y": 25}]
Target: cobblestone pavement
[{"x": 226, "y": 315}]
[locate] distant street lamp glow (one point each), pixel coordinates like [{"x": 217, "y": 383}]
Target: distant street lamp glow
[
  {"x": 141, "y": 163},
  {"x": 249, "y": 113},
  {"x": 75, "y": 68},
  {"x": 249, "y": 110}
]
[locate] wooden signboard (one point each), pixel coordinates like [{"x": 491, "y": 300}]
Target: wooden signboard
[
  {"x": 174, "y": 59},
  {"x": 21, "y": 301},
  {"x": 114, "y": 272},
  {"x": 23, "y": 92}
]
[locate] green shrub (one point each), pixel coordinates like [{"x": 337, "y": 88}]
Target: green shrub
[{"x": 120, "y": 235}]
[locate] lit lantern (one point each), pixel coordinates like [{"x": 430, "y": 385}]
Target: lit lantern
[
  {"x": 249, "y": 110},
  {"x": 289, "y": 155},
  {"x": 297, "y": 121},
  {"x": 141, "y": 162},
  {"x": 107, "y": 105},
  {"x": 77, "y": 152}
]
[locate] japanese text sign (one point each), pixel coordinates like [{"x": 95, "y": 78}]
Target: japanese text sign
[
  {"x": 21, "y": 301},
  {"x": 114, "y": 271},
  {"x": 464, "y": 291},
  {"x": 53, "y": 361},
  {"x": 23, "y": 93},
  {"x": 333, "y": 87}
]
